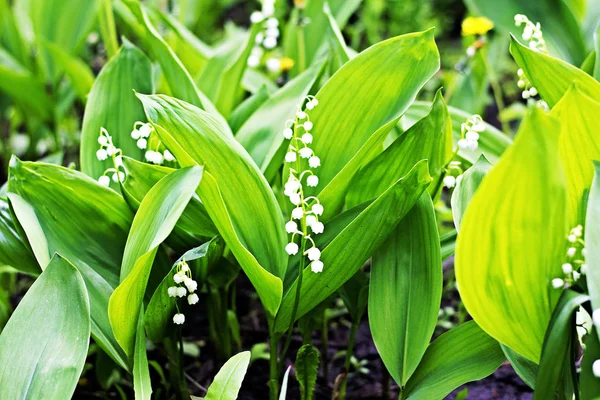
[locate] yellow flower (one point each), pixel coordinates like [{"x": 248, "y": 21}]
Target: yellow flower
[
  {"x": 300, "y": 3},
  {"x": 476, "y": 26},
  {"x": 286, "y": 63}
]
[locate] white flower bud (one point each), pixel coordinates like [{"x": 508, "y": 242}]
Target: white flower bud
[
  {"x": 290, "y": 156},
  {"x": 272, "y": 32},
  {"x": 272, "y": 23},
  {"x": 571, "y": 251},
  {"x": 312, "y": 181},
  {"x": 301, "y": 114},
  {"x": 567, "y": 268},
  {"x": 178, "y": 277},
  {"x": 307, "y": 138},
  {"x": 295, "y": 199},
  {"x": 298, "y": 213},
  {"x": 145, "y": 130},
  {"x": 310, "y": 219},
  {"x": 270, "y": 42},
  {"x": 104, "y": 180},
  {"x": 314, "y": 162},
  {"x": 179, "y": 319},
  {"x": 102, "y": 140},
  {"x": 316, "y": 266},
  {"x": 472, "y": 136},
  {"x": 449, "y": 181},
  {"x": 101, "y": 154},
  {"x": 572, "y": 238},
  {"x": 310, "y": 105},
  {"x": 313, "y": 254},
  {"x": 142, "y": 143},
  {"x": 193, "y": 299},
  {"x": 521, "y": 83},
  {"x": 533, "y": 92},
  {"x": 119, "y": 161},
  {"x": 118, "y": 177},
  {"x": 317, "y": 209},
  {"x": 520, "y": 73},
  {"x": 135, "y": 134},
  {"x": 256, "y": 17},
  {"x": 288, "y": 133},
  {"x": 273, "y": 65},
  {"x": 308, "y": 125},
  {"x": 463, "y": 144},
  {"x": 291, "y": 249},
  {"x": 558, "y": 283},
  {"x": 253, "y": 61},
  {"x": 168, "y": 156},
  {"x": 191, "y": 285},
  {"x": 305, "y": 152},
  {"x": 576, "y": 275},
  {"x": 291, "y": 227}
]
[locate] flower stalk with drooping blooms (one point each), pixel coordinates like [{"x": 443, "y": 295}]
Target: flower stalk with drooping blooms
[
  {"x": 303, "y": 161},
  {"x": 184, "y": 286},
  {"x": 141, "y": 134},
  {"x": 575, "y": 264},
  {"x": 266, "y": 40},
  {"x": 108, "y": 149}
]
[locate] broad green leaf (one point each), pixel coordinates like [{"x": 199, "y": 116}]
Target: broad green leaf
[
  {"x": 345, "y": 254},
  {"x": 229, "y": 379},
  {"x": 557, "y": 345},
  {"x": 244, "y": 111},
  {"x": 63, "y": 22},
  {"x": 21, "y": 85},
  {"x": 492, "y": 142},
  {"x": 561, "y": 29},
  {"x": 527, "y": 370},
  {"x": 517, "y": 217},
  {"x": 221, "y": 77},
  {"x": 466, "y": 187},
  {"x": 142, "y": 385},
  {"x": 261, "y": 134},
  {"x": 14, "y": 250},
  {"x": 596, "y": 54},
  {"x": 341, "y": 53},
  {"x": 194, "y": 225},
  {"x": 578, "y": 146},
  {"x": 463, "y": 354},
  {"x": 79, "y": 73},
  {"x": 430, "y": 138},
  {"x": 153, "y": 222},
  {"x": 253, "y": 80},
  {"x": 44, "y": 345},
  {"x": 180, "y": 82},
  {"x": 162, "y": 307},
  {"x": 333, "y": 195},
  {"x": 590, "y": 385},
  {"x": 550, "y": 76},
  {"x": 592, "y": 240},
  {"x": 112, "y": 105},
  {"x": 307, "y": 364},
  {"x": 305, "y": 42},
  {"x": 59, "y": 209},
  {"x": 196, "y": 138},
  {"x": 11, "y": 38},
  {"x": 406, "y": 290},
  {"x": 390, "y": 75}
]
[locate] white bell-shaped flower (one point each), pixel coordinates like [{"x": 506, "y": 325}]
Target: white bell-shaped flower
[
  {"x": 104, "y": 180},
  {"x": 291, "y": 227},
  {"x": 172, "y": 291},
  {"x": 193, "y": 299},
  {"x": 101, "y": 154},
  {"x": 317, "y": 227},
  {"x": 291, "y": 248},
  {"x": 314, "y": 254},
  {"x": 314, "y": 162},
  {"x": 297, "y": 213},
  {"x": 179, "y": 319},
  {"x": 316, "y": 266},
  {"x": 312, "y": 181},
  {"x": 317, "y": 209}
]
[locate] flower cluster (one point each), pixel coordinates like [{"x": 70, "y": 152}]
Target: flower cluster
[
  {"x": 469, "y": 133},
  {"x": 141, "y": 134},
  {"x": 267, "y": 39},
  {"x": 450, "y": 181},
  {"x": 532, "y": 33},
  {"x": 108, "y": 149},
  {"x": 307, "y": 209},
  {"x": 183, "y": 284},
  {"x": 575, "y": 265}
]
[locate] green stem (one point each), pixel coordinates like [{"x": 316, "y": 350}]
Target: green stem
[
  {"x": 325, "y": 342},
  {"x": 301, "y": 46},
  {"x": 497, "y": 91},
  {"x": 349, "y": 351},
  {"x": 108, "y": 29},
  {"x": 273, "y": 367}
]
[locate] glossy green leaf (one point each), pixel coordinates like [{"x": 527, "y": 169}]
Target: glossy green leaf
[
  {"x": 153, "y": 222},
  {"x": 517, "y": 217},
  {"x": 333, "y": 196},
  {"x": 307, "y": 364},
  {"x": 391, "y": 74},
  {"x": 527, "y": 370},
  {"x": 345, "y": 254},
  {"x": 463, "y": 354},
  {"x": 112, "y": 105},
  {"x": 21, "y": 85},
  {"x": 261, "y": 135},
  {"x": 590, "y": 385},
  {"x": 492, "y": 142},
  {"x": 79, "y": 73},
  {"x": 550, "y": 76},
  {"x": 578, "y": 146},
  {"x": 142, "y": 385},
  {"x": 50, "y": 202},
  {"x": 592, "y": 240},
  {"x": 561, "y": 29},
  {"x": 221, "y": 77},
  {"x": 229, "y": 379},
  {"x": 557, "y": 342},
  {"x": 162, "y": 307},
  {"x": 467, "y": 186},
  {"x": 14, "y": 250},
  {"x": 406, "y": 290},
  {"x": 45, "y": 343},
  {"x": 180, "y": 82},
  {"x": 430, "y": 138},
  {"x": 238, "y": 198},
  {"x": 194, "y": 225},
  {"x": 245, "y": 110},
  {"x": 11, "y": 38}
]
